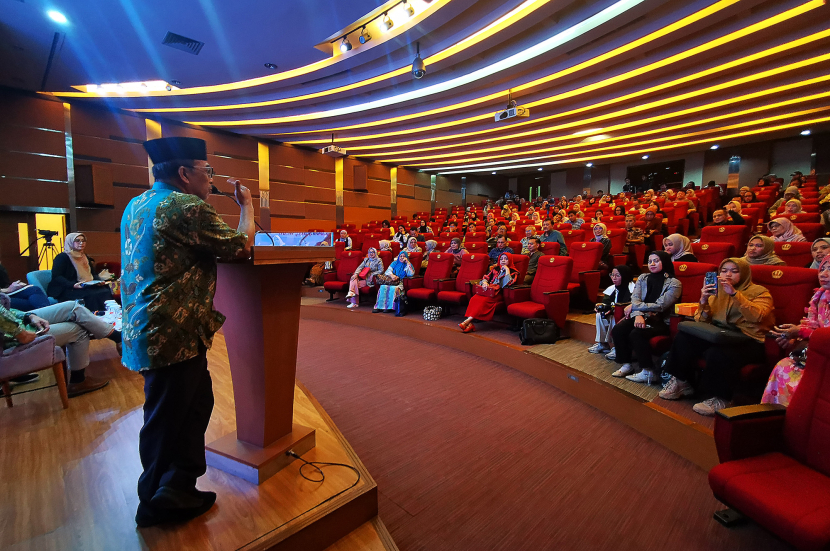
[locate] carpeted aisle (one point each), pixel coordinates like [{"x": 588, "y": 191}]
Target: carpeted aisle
[{"x": 472, "y": 455}]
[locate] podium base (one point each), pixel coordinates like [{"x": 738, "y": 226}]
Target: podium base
[{"x": 256, "y": 464}]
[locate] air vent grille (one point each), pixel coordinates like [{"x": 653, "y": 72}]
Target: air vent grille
[{"x": 183, "y": 43}]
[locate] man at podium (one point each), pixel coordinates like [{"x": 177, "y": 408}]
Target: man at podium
[{"x": 170, "y": 241}]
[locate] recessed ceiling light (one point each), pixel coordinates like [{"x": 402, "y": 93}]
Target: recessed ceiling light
[
  {"x": 715, "y": 146},
  {"x": 645, "y": 157},
  {"x": 805, "y": 132},
  {"x": 57, "y": 16},
  {"x": 540, "y": 168},
  {"x": 589, "y": 165},
  {"x": 492, "y": 172},
  {"x": 270, "y": 66}
]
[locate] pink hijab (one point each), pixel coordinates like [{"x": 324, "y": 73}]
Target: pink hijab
[{"x": 791, "y": 233}]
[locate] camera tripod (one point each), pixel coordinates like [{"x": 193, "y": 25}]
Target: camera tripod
[{"x": 47, "y": 253}]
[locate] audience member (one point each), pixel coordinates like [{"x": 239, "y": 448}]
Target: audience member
[
  {"x": 457, "y": 250},
  {"x": 653, "y": 225},
  {"x": 384, "y": 245},
  {"x": 533, "y": 263},
  {"x": 550, "y": 235},
  {"x": 412, "y": 246},
  {"x": 681, "y": 197},
  {"x": 633, "y": 234},
  {"x": 786, "y": 375},
  {"x": 483, "y": 306},
  {"x": 618, "y": 294},
  {"x": 793, "y": 206},
  {"x": 761, "y": 250},
  {"x": 430, "y": 248},
  {"x": 529, "y": 235},
  {"x": 790, "y": 193},
  {"x": 500, "y": 248},
  {"x": 392, "y": 283},
  {"x": 72, "y": 325},
  {"x": 401, "y": 235},
  {"x": 785, "y": 231},
  {"x": 73, "y": 276},
  {"x": 344, "y": 238},
  {"x": 679, "y": 247},
  {"x": 646, "y": 317},
  {"x": 819, "y": 249},
  {"x": 22, "y": 296},
  {"x": 574, "y": 220},
  {"x": 733, "y": 304},
  {"x": 601, "y": 236},
  {"x": 363, "y": 276},
  {"x": 385, "y": 225},
  {"x": 415, "y": 234}
]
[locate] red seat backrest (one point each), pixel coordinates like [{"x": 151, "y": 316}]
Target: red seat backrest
[
  {"x": 520, "y": 262},
  {"x": 476, "y": 247},
  {"x": 802, "y": 217},
  {"x": 515, "y": 245},
  {"x": 475, "y": 236},
  {"x": 572, "y": 236},
  {"x": 396, "y": 247},
  {"x": 751, "y": 215},
  {"x": 473, "y": 267},
  {"x": 368, "y": 243},
  {"x": 691, "y": 275},
  {"x": 811, "y": 230},
  {"x": 737, "y": 235},
  {"x": 617, "y": 237},
  {"x": 550, "y": 248},
  {"x": 415, "y": 259},
  {"x": 438, "y": 267},
  {"x": 586, "y": 257},
  {"x": 449, "y": 234},
  {"x": 553, "y": 273},
  {"x": 791, "y": 289},
  {"x": 713, "y": 253},
  {"x": 806, "y": 425},
  {"x": 386, "y": 257},
  {"x": 349, "y": 261},
  {"x": 339, "y": 246},
  {"x": 798, "y": 254}
]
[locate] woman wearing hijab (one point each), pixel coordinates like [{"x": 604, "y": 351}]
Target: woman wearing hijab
[
  {"x": 785, "y": 231},
  {"x": 679, "y": 247},
  {"x": 793, "y": 206},
  {"x": 73, "y": 277},
  {"x": 430, "y": 247},
  {"x": 423, "y": 229},
  {"x": 789, "y": 193},
  {"x": 601, "y": 236},
  {"x": 483, "y": 307},
  {"x": 735, "y": 304},
  {"x": 646, "y": 317},
  {"x": 457, "y": 250},
  {"x": 394, "y": 274},
  {"x": 653, "y": 225},
  {"x": 619, "y": 293},
  {"x": 375, "y": 267},
  {"x": 761, "y": 250},
  {"x": 787, "y": 374},
  {"x": 820, "y": 248},
  {"x": 536, "y": 219},
  {"x": 412, "y": 246},
  {"x": 385, "y": 245}
]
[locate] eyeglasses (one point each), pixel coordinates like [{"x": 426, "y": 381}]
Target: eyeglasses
[
  {"x": 80, "y": 240},
  {"x": 208, "y": 169}
]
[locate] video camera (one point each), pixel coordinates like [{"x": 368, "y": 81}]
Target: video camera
[{"x": 47, "y": 235}]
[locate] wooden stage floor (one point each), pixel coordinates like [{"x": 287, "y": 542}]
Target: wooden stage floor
[{"x": 69, "y": 477}]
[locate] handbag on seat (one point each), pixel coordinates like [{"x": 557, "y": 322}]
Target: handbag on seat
[{"x": 714, "y": 334}]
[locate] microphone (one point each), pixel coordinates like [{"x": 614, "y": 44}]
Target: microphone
[{"x": 216, "y": 191}]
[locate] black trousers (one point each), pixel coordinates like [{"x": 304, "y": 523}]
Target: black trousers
[
  {"x": 629, "y": 339},
  {"x": 177, "y": 406},
  {"x": 723, "y": 363}
]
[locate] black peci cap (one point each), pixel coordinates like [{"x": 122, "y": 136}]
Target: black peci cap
[{"x": 168, "y": 149}]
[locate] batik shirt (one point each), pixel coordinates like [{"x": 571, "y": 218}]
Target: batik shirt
[{"x": 170, "y": 242}]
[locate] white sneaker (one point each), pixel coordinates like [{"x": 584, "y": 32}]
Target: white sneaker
[
  {"x": 611, "y": 355},
  {"x": 352, "y": 305},
  {"x": 623, "y": 371},
  {"x": 710, "y": 407},
  {"x": 643, "y": 376},
  {"x": 676, "y": 388},
  {"x": 350, "y": 294},
  {"x": 598, "y": 348}
]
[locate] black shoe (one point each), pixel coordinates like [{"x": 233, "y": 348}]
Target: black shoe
[
  {"x": 24, "y": 379},
  {"x": 376, "y": 311},
  {"x": 148, "y": 515},
  {"x": 173, "y": 498}
]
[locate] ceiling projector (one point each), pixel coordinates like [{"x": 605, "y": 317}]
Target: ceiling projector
[
  {"x": 512, "y": 113},
  {"x": 333, "y": 151}
]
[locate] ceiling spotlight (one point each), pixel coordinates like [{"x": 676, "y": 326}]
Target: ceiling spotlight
[
  {"x": 270, "y": 66},
  {"x": 345, "y": 46},
  {"x": 805, "y": 132},
  {"x": 419, "y": 69},
  {"x": 589, "y": 165},
  {"x": 386, "y": 22},
  {"x": 408, "y": 9},
  {"x": 714, "y": 146},
  {"x": 539, "y": 169},
  {"x": 644, "y": 157},
  {"x": 364, "y": 36},
  {"x": 57, "y": 16},
  {"x": 493, "y": 172}
]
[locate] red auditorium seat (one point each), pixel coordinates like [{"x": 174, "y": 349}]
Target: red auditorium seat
[
  {"x": 573, "y": 236},
  {"x": 386, "y": 257},
  {"x": 547, "y": 296},
  {"x": 802, "y": 217},
  {"x": 475, "y": 237},
  {"x": 550, "y": 248},
  {"x": 737, "y": 235},
  {"x": 617, "y": 237},
  {"x": 449, "y": 235},
  {"x": 811, "y": 230},
  {"x": 585, "y": 274},
  {"x": 425, "y": 287},
  {"x": 515, "y": 245},
  {"x": 690, "y": 275},
  {"x": 476, "y": 247},
  {"x": 337, "y": 280},
  {"x": 520, "y": 262},
  {"x": 760, "y": 446},
  {"x": 713, "y": 253},
  {"x": 795, "y": 254},
  {"x": 338, "y": 249}
]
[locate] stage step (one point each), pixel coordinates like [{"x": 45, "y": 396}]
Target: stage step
[{"x": 369, "y": 536}]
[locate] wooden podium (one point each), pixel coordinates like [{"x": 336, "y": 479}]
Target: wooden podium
[{"x": 261, "y": 299}]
